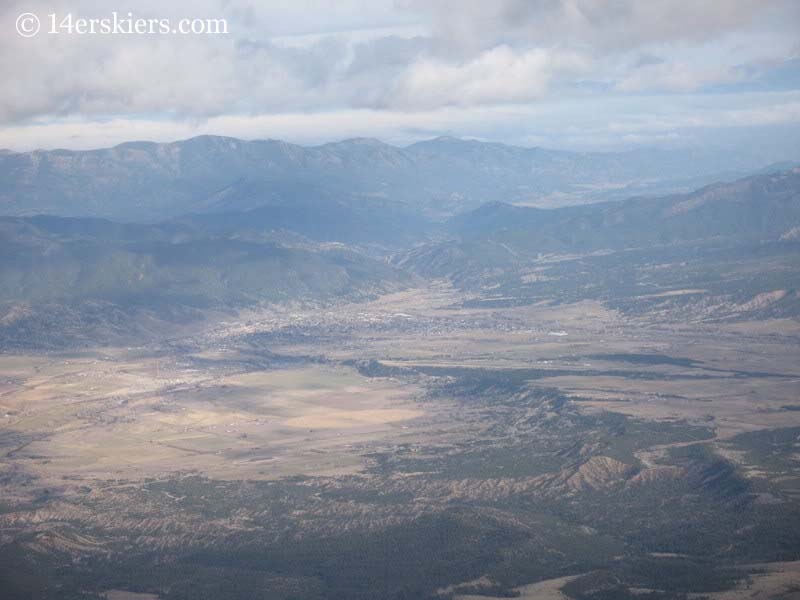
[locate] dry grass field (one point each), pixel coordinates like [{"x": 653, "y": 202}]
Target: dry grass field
[
  {"x": 84, "y": 418},
  {"x": 286, "y": 424}
]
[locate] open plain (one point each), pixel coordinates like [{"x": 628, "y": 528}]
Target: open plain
[{"x": 283, "y": 428}]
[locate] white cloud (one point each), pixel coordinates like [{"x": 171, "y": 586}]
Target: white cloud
[
  {"x": 602, "y": 25},
  {"x": 497, "y": 76},
  {"x": 398, "y": 66}
]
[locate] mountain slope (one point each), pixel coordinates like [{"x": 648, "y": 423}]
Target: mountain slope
[
  {"x": 54, "y": 259},
  {"x": 444, "y": 176},
  {"x": 762, "y": 207},
  {"x": 727, "y": 251},
  {"x": 322, "y": 217},
  {"x": 91, "y": 272}
]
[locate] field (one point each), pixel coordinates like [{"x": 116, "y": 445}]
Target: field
[
  {"x": 423, "y": 440},
  {"x": 103, "y": 418}
]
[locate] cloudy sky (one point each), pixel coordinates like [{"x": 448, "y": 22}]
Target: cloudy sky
[{"x": 578, "y": 74}]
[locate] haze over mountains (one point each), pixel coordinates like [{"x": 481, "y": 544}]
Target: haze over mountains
[
  {"x": 438, "y": 177},
  {"x": 239, "y": 224}
]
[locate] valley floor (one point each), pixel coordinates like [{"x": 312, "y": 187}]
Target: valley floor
[{"x": 408, "y": 445}]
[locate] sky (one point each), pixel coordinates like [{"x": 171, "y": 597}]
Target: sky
[{"x": 573, "y": 74}]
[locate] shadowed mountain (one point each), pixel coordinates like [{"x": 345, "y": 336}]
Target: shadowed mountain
[
  {"x": 71, "y": 266},
  {"x": 53, "y": 259},
  {"x": 317, "y": 215}
]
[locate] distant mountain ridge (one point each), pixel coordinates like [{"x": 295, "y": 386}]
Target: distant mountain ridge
[
  {"x": 501, "y": 236},
  {"x": 148, "y": 181},
  {"x": 756, "y": 207}
]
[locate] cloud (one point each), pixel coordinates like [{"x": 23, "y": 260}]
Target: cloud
[
  {"x": 497, "y": 76},
  {"x": 404, "y": 59},
  {"x": 601, "y": 25}
]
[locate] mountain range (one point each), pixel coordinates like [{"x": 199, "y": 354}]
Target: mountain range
[
  {"x": 146, "y": 181},
  {"x": 218, "y": 224},
  {"x": 499, "y": 236}
]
